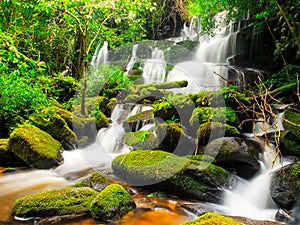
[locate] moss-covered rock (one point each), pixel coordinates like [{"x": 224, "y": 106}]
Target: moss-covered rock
[
  {"x": 235, "y": 154},
  {"x": 226, "y": 115},
  {"x": 135, "y": 122},
  {"x": 173, "y": 138},
  {"x": 7, "y": 157},
  {"x": 290, "y": 140},
  {"x": 285, "y": 186},
  {"x": 97, "y": 181},
  {"x": 35, "y": 147},
  {"x": 213, "y": 130},
  {"x": 174, "y": 174},
  {"x": 213, "y": 219},
  {"x": 112, "y": 203},
  {"x": 51, "y": 122},
  {"x": 49, "y": 203},
  {"x": 141, "y": 140}
]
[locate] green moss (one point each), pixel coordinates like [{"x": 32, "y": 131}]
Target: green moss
[
  {"x": 219, "y": 114},
  {"x": 97, "y": 177},
  {"x": 201, "y": 158},
  {"x": 213, "y": 219},
  {"x": 148, "y": 165},
  {"x": 50, "y": 121},
  {"x": 112, "y": 203},
  {"x": 141, "y": 140},
  {"x": 35, "y": 147},
  {"x": 145, "y": 115},
  {"x": 3, "y": 146},
  {"x": 66, "y": 201}
]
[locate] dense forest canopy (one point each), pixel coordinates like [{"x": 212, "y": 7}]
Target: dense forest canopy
[{"x": 40, "y": 38}]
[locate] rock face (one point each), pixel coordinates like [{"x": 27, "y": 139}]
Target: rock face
[
  {"x": 285, "y": 186},
  {"x": 112, "y": 203},
  {"x": 236, "y": 154},
  {"x": 66, "y": 201},
  {"x": 35, "y": 147},
  {"x": 171, "y": 173}
]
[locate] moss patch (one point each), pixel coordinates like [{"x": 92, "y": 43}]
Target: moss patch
[
  {"x": 213, "y": 219},
  {"x": 112, "y": 203},
  {"x": 147, "y": 165},
  {"x": 66, "y": 201},
  {"x": 141, "y": 140},
  {"x": 35, "y": 147}
]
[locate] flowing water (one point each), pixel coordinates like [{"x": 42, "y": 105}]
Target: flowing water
[{"x": 206, "y": 70}]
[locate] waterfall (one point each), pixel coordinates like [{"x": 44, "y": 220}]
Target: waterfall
[
  {"x": 100, "y": 56},
  {"x": 133, "y": 58},
  {"x": 108, "y": 144},
  {"x": 155, "y": 68},
  {"x": 252, "y": 198}
]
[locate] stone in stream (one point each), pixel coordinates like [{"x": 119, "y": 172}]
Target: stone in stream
[
  {"x": 285, "y": 186},
  {"x": 236, "y": 154},
  {"x": 66, "y": 201},
  {"x": 112, "y": 203},
  {"x": 35, "y": 147},
  {"x": 173, "y": 174}
]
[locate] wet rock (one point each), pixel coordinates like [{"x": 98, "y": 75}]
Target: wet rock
[
  {"x": 173, "y": 174},
  {"x": 66, "y": 201},
  {"x": 112, "y": 203},
  {"x": 200, "y": 208},
  {"x": 235, "y": 154},
  {"x": 35, "y": 147},
  {"x": 285, "y": 187},
  {"x": 285, "y": 216}
]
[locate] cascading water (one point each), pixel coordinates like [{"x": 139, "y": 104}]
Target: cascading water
[
  {"x": 133, "y": 58},
  {"x": 100, "y": 56},
  {"x": 252, "y": 198},
  {"x": 154, "y": 70}
]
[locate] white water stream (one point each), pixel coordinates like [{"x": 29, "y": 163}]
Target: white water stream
[{"x": 249, "y": 198}]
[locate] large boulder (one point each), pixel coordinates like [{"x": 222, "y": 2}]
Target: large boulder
[
  {"x": 171, "y": 173},
  {"x": 235, "y": 154},
  {"x": 112, "y": 203},
  {"x": 66, "y": 201},
  {"x": 285, "y": 186},
  {"x": 35, "y": 147}
]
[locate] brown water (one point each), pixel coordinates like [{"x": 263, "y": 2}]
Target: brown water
[{"x": 150, "y": 210}]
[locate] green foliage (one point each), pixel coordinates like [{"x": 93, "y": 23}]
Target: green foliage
[
  {"x": 20, "y": 94},
  {"x": 107, "y": 82}
]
